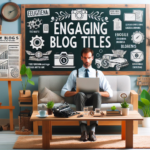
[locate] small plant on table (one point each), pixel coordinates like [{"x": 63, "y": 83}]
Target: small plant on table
[{"x": 50, "y": 105}]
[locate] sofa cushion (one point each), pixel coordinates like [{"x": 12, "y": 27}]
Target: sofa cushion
[
  {"x": 119, "y": 84},
  {"x": 104, "y": 107},
  {"x": 47, "y": 95}
]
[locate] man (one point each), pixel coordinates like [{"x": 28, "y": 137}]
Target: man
[{"x": 81, "y": 99}]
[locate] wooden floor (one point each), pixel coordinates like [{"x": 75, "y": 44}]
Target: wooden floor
[{"x": 8, "y": 138}]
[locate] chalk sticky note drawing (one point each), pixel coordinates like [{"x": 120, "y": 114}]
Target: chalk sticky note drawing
[
  {"x": 117, "y": 24},
  {"x": 45, "y": 28},
  {"x": 139, "y": 15},
  {"x": 129, "y": 17}
]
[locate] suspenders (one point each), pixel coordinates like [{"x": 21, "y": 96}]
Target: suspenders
[
  {"x": 78, "y": 73},
  {"x": 96, "y": 73}
]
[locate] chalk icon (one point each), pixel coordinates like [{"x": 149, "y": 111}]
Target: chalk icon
[
  {"x": 97, "y": 55},
  {"x": 114, "y": 12},
  {"x": 139, "y": 15},
  {"x": 136, "y": 55},
  {"x": 101, "y": 51},
  {"x": 137, "y": 37},
  {"x": 112, "y": 60},
  {"x": 35, "y": 23},
  {"x": 63, "y": 60},
  {"x": 45, "y": 28},
  {"x": 39, "y": 56},
  {"x": 79, "y": 14},
  {"x": 37, "y": 42},
  {"x": 117, "y": 24},
  {"x": 129, "y": 17}
]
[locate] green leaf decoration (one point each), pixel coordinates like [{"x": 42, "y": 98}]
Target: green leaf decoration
[
  {"x": 29, "y": 73},
  {"x": 31, "y": 82},
  {"x": 23, "y": 69}
]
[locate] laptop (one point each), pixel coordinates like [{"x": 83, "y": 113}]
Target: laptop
[{"x": 87, "y": 85}]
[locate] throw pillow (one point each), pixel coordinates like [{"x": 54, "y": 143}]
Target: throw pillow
[{"x": 47, "y": 95}]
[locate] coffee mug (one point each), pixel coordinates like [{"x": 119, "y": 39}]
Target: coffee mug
[{"x": 42, "y": 112}]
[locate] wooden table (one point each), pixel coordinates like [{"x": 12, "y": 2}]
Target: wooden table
[{"x": 127, "y": 125}]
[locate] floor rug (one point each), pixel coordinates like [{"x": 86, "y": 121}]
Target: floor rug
[{"x": 73, "y": 142}]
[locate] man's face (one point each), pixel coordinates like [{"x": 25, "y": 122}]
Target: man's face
[{"x": 87, "y": 59}]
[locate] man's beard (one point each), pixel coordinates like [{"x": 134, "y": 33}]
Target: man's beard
[{"x": 87, "y": 65}]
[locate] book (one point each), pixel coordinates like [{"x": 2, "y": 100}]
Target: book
[
  {"x": 113, "y": 111},
  {"x": 113, "y": 114}
]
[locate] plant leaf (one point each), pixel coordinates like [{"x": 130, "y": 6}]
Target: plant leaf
[
  {"x": 23, "y": 69},
  {"x": 29, "y": 73},
  {"x": 141, "y": 104},
  {"x": 31, "y": 82},
  {"x": 145, "y": 101},
  {"x": 145, "y": 95},
  {"x": 140, "y": 107},
  {"x": 50, "y": 104}
]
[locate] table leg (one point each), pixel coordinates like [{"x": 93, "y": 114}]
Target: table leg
[
  {"x": 50, "y": 126},
  {"x": 129, "y": 134},
  {"x": 10, "y": 104},
  {"x": 35, "y": 127},
  {"x": 123, "y": 130},
  {"x": 45, "y": 134}
]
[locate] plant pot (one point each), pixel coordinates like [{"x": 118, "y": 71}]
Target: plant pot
[
  {"x": 24, "y": 91},
  {"x": 125, "y": 111},
  {"x": 146, "y": 122},
  {"x": 49, "y": 111}
]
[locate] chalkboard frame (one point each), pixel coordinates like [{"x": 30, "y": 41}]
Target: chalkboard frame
[{"x": 146, "y": 6}]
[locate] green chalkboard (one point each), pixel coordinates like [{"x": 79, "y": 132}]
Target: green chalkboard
[{"x": 55, "y": 37}]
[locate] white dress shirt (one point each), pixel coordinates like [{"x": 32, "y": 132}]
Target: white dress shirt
[{"x": 71, "y": 81}]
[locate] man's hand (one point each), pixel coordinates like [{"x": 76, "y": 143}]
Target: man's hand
[
  {"x": 70, "y": 93},
  {"x": 104, "y": 94}
]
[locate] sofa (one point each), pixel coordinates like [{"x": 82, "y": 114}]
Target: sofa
[{"x": 119, "y": 84}]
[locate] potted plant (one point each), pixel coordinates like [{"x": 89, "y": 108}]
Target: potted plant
[
  {"x": 50, "y": 105},
  {"x": 28, "y": 72},
  {"x": 113, "y": 108},
  {"x": 124, "y": 105},
  {"x": 144, "y": 104}
]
